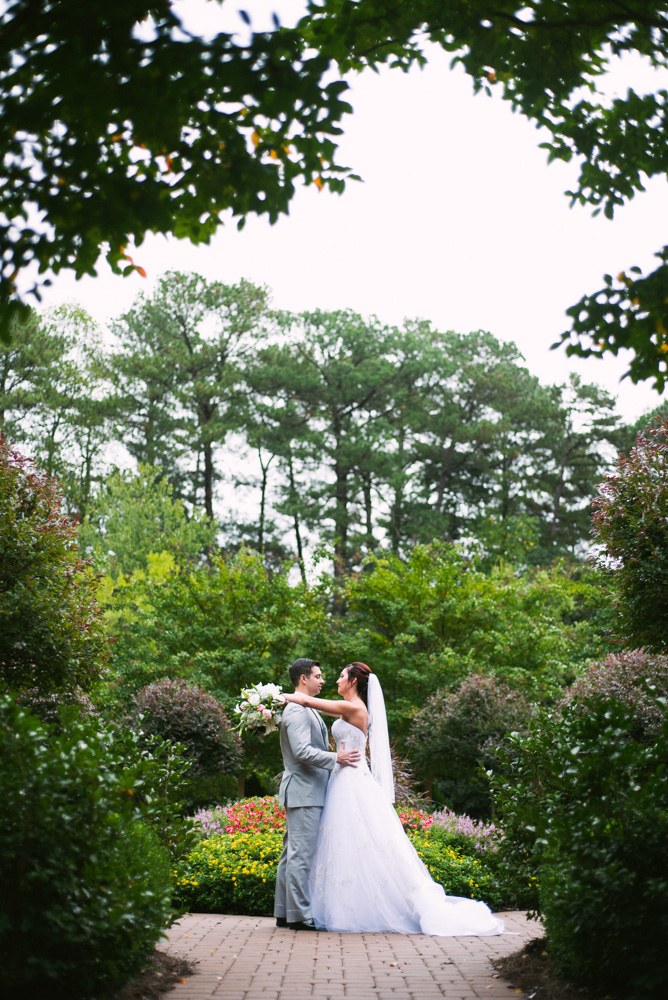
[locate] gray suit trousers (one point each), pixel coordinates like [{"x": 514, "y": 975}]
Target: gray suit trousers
[{"x": 292, "y": 896}]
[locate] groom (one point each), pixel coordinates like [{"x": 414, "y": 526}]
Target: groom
[{"x": 308, "y": 764}]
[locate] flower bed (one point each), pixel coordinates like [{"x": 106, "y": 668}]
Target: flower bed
[
  {"x": 253, "y": 815},
  {"x": 459, "y": 873},
  {"x": 230, "y": 873},
  {"x": 233, "y": 868},
  {"x": 484, "y": 837}
]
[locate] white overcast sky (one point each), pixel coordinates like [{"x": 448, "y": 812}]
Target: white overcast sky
[{"x": 459, "y": 220}]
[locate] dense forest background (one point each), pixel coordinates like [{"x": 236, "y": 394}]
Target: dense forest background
[
  {"x": 336, "y": 429},
  {"x": 418, "y": 500}
]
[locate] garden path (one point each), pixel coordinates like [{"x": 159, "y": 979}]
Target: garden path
[{"x": 249, "y": 958}]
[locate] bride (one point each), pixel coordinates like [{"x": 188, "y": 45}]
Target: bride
[{"x": 366, "y": 875}]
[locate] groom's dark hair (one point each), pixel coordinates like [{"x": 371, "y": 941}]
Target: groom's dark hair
[{"x": 301, "y": 666}]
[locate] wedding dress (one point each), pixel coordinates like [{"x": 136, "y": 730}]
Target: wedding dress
[{"x": 366, "y": 874}]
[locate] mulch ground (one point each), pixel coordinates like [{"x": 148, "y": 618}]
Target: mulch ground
[
  {"x": 532, "y": 970},
  {"x": 158, "y": 975}
]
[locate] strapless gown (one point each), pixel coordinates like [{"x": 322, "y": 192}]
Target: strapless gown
[{"x": 366, "y": 874}]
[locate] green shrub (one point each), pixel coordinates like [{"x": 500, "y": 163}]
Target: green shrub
[
  {"x": 451, "y": 738},
  {"x": 232, "y": 873},
  {"x": 585, "y": 813},
  {"x": 185, "y": 713},
  {"x": 631, "y": 524},
  {"x": 632, "y": 677},
  {"x": 85, "y": 882},
  {"x": 51, "y": 633}
]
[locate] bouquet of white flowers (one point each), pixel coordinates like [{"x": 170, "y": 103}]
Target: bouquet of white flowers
[{"x": 260, "y": 708}]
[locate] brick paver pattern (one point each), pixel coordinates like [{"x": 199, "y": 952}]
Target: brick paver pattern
[{"x": 249, "y": 958}]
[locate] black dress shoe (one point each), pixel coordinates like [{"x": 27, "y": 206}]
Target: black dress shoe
[
  {"x": 302, "y": 925},
  {"x": 281, "y": 922}
]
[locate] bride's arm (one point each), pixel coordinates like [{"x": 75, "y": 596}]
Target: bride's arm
[{"x": 341, "y": 709}]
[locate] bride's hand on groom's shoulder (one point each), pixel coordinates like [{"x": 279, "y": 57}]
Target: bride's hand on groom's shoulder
[{"x": 297, "y": 697}]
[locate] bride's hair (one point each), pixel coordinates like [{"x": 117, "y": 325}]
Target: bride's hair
[{"x": 360, "y": 672}]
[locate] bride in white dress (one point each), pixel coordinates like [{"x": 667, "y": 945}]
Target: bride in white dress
[{"x": 366, "y": 875}]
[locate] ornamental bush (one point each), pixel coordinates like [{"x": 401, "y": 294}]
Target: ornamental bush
[
  {"x": 51, "y": 634},
  {"x": 585, "y": 815},
  {"x": 176, "y": 710},
  {"x": 631, "y": 523},
  {"x": 85, "y": 882},
  {"x": 633, "y": 678},
  {"x": 451, "y": 737}
]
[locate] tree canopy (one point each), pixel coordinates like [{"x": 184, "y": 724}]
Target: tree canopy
[
  {"x": 119, "y": 121},
  {"x": 548, "y": 57},
  {"x": 177, "y": 129},
  {"x": 344, "y": 430}
]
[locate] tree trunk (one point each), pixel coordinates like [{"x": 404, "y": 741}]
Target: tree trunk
[
  {"x": 556, "y": 501},
  {"x": 208, "y": 480},
  {"x": 366, "y": 488},
  {"x": 295, "y": 518},
  {"x": 341, "y": 520}
]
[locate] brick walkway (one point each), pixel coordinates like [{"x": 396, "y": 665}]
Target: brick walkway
[{"x": 249, "y": 958}]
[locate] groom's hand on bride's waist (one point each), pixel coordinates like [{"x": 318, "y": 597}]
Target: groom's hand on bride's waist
[{"x": 347, "y": 758}]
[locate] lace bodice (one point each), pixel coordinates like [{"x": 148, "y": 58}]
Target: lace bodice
[{"x": 353, "y": 737}]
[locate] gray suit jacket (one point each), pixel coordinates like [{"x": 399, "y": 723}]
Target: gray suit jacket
[{"x": 306, "y": 759}]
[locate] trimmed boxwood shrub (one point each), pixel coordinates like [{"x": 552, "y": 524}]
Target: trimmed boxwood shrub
[{"x": 85, "y": 882}]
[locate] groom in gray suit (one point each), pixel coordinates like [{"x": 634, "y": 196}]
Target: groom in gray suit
[{"x": 308, "y": 764}]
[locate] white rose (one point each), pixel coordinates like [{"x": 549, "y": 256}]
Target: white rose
[{"x": 253, "y": 698}]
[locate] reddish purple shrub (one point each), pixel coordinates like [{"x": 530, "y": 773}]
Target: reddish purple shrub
[
  {"x": 454, "y": 733},
  {"x": 623, "y": 677},
  {"x": 176, "y": 710},
  {"x": 51, "y": 633}
]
